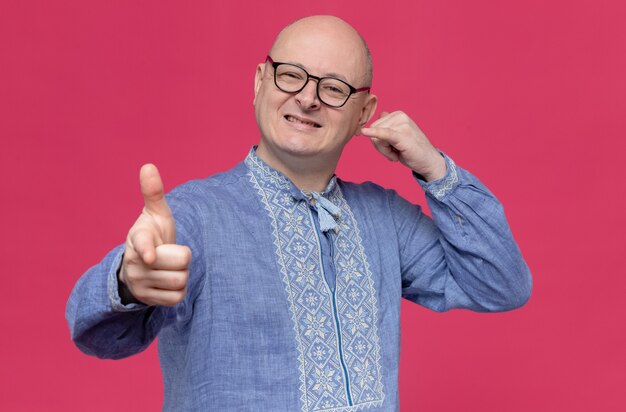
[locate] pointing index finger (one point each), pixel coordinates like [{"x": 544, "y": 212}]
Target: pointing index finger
[{"x": 144, "y": 243}]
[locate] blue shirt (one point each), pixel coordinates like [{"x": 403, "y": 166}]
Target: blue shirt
[{"x": 293, "y": 299}]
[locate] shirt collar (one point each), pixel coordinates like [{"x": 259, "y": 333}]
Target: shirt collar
[
  {"x": 270, "y": 176},
  {"x": 267, "y": 176}
]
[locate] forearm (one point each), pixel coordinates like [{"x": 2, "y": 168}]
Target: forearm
[
  {"x": 100, "y": 324},
  {"x": 482, "y": 256}
]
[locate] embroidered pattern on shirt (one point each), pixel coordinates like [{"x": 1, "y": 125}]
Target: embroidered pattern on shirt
[
  {"x": 328, "y": 350},
  {"x": 441, "y": 189}
]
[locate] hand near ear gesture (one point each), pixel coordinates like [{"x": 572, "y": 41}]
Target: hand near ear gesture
[
  {"x": 155, "y": 269},
  {"x": 399, "y": 139}
]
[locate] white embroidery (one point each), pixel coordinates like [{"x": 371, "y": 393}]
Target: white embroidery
[
  {"x": 441, "y": 189},
  {"x": 356, "y": 296},
  {"x": 323, "y": 346}
]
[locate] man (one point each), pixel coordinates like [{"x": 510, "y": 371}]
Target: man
[{"x": 275, "y": 286}]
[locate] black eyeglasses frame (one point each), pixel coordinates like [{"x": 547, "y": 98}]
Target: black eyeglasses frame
[{"x": 352, "y": 89}]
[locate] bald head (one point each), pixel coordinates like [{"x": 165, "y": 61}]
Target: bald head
[
  {"x": 302, "y": 134},
  {"x": 332, "y": 34}
]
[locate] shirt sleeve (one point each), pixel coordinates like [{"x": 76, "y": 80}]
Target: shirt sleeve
[
  {"x": 465, "y": 256},
  {"x": 100, "y": 325}
]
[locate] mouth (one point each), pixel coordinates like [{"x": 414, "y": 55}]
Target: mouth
[{"x": 298, "y": 120}]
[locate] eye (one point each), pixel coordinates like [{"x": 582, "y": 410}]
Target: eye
[
  {"x": 291, "y": 75},
  {"x": 334, "y": 89}
]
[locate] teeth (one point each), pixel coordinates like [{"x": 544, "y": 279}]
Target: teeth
[{"x": 294, "y": 120}]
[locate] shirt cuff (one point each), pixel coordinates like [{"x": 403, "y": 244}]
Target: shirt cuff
[
  {"x": 113, "y": 287},
  {"x": 441, "y": 187}
]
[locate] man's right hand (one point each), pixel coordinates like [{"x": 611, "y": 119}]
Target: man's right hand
[{"x": 154, "y": 269}]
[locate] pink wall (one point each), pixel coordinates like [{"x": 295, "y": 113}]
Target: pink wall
[{"x": 529, "y": 96}]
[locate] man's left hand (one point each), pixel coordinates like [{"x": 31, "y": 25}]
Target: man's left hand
[{"x": 399, "y": 139}]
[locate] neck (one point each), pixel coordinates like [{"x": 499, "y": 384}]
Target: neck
[{"x": 308, "y": 173}]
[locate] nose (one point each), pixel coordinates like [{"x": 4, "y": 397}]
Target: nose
[{"x": 307, "y": 97}]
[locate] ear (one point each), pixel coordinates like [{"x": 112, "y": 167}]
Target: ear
[
  {"x": 258, "y": 79},
  {"x": 367, "y": 111}
]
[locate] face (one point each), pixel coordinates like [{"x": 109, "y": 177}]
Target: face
[{"x": 298, "y": 124}]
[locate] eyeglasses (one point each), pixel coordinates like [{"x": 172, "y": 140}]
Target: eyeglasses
[{"x": 331, "y": 91}]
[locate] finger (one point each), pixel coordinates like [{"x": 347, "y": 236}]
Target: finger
[
  {"x": 143, "y": 241},
  {"x": 172, "y": 257},
  {"x": 382, "y": 133},
  {"x": 381, "y": 118},
  {"x": 385, "y": 149},
  {"x": 153, "y": 296},
  {"x": 152, "y": 191},
  {"x": 166, "y": 279},
  {"x": 386, "y": 118}
]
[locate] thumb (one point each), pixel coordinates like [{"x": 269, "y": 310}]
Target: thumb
[
  {"x": 382, "y": 117},
  {"x": 152, "y": 191}
]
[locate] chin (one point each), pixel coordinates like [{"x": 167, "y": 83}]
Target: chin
[
  {"x": 300, "y": 144},
  {"x": 301, "y": 150}
]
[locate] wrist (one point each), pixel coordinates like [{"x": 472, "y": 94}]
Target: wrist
[
  {"x": 436, "y": 171},
  {"x": 126, "y": 296}
]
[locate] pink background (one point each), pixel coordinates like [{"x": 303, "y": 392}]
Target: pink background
[{"x": 529, "y": 96}]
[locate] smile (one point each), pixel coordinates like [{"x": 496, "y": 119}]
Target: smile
[{"x": 293, "y": 119}]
